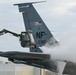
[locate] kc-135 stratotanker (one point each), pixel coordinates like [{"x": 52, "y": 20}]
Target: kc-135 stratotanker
[{"x": 36, "y": 35}]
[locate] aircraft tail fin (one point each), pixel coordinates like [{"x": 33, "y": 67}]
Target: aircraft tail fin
[{"x": 33, "y": 22}]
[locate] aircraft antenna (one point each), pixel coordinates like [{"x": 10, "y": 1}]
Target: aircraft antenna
[{"x": 29, "y": 3}]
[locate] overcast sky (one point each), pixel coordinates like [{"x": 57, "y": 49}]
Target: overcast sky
[{"x": 59, "y": 16}]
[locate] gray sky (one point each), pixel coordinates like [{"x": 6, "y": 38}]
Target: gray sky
[{"x": 59, "y": 16}]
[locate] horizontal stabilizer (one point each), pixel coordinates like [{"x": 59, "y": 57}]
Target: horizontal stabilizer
[{"x": 24, "y": 55}]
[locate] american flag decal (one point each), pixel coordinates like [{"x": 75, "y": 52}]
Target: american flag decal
[{"x": 37, "y": 23}]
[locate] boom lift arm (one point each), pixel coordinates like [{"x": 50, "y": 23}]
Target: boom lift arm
[{"x": 4, "y": 31}]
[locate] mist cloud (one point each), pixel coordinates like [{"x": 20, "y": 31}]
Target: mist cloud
[{"x": 65, "y": 51}]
